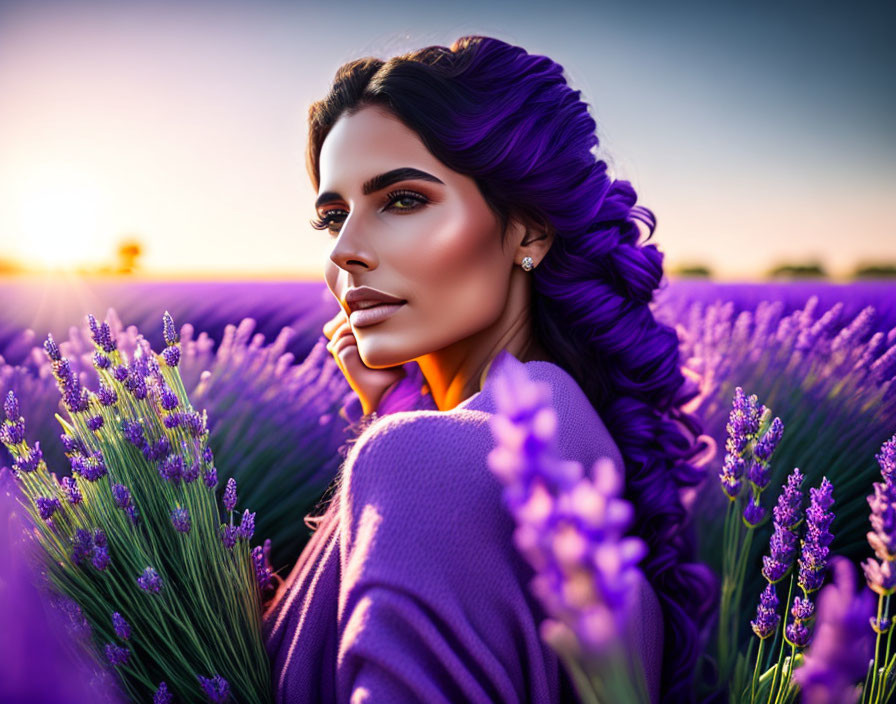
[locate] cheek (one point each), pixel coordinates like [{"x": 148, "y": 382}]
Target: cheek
[{"x": 462, "y": 273}]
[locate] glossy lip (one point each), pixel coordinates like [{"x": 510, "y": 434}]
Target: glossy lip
[
  {"x": 354, "y": 296},
  {"x": 376, "y": 314}
]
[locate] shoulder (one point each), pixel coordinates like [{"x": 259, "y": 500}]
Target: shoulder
[{"x": 423, "y": 463}]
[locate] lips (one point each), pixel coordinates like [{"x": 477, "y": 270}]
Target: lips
[{"x": 364, "y": 297}]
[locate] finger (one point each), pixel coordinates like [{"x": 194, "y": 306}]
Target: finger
[{"x": 333, "y": 323}]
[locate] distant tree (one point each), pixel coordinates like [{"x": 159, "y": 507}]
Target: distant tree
[
  {"x": 695, "y": 271},
  {"x": 875, "y": 271},
  {"x": 806, "y": 270},
  {"x": 129, "y": 251}
]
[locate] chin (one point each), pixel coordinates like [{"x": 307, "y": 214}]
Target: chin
[{"x": 380, "y": 356}]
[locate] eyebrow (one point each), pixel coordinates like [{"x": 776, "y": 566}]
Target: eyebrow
[{"x": 378, "y": 183}]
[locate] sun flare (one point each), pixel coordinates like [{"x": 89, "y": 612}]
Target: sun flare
[{"x": 60, "y": 218}]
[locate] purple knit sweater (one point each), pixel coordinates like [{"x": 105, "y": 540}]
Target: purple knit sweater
[{"x": 411, "y": 589}]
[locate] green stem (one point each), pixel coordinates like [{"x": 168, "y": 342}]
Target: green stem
[{"x": 756, "y": 671}]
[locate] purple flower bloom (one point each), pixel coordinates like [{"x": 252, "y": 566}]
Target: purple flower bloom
[
  {"x": 101, "y": 361},
  {"x": 210, "y": 477},
  {"x": 180, "y": 519},
  {"x": 173, "y": 420},
  {"x": 136, "y": 384},
  {"x": 107, "y": 395},
  {"x": 230, "y": 495},
  {"x": 171, "y": 468},
  {"x": 766, "y": 445},
  {"x": 171, "y": 356},
  {"x": 229, "y": 535},
  {"x": 120, "y": 372},
  {"x": 190, "y": 473},
  {"x": 122, "y": 627},
  {"x": 72, "y": 444},
  {"x": 82, "y": 541},
  {"x": 842, "y": 644},
  {"x": 47, "y": 506},
  {"x": 767, "y": 617},
  {"x": 168, "y": 399},
  {"x": 570, "y": 527},
  {"x": 193, "y": 423},
  {"x": 12, "y": 432},
  {"x": 168, "y": 330},
  {"x": 216, "y": 688},
  {"x": 116, "y": 654},
  {"x": 753, "y": 512},
  {"x": 783, "y": 543},
  {"x": 162, "y": 695},
  {"x": 95, "y": 422},
  {"x": 150, "y": 581},
  {"x": 99, "y": 537},
  {"x": 70, "y": 490},
  {"x": 30, "y": 461},
  {"x": 247, "y": 526},
  {"x": 798, "y": 634},
  {"x": 207, "y": 455},
  {"x": 133, "y": 432},
  {"x": 101, "y": 557},
  {"x": 52, "y": 349},
  {"x": 731, "y": 474},
  {"x": 261, "y": 561},
  {"x": 121, "y": 495},
  {"x": 814, "y": 553},
  {"x": 11, "y": 406},
  {"x": 91, "y": 468},
  {"x": 886, "y": 458}
]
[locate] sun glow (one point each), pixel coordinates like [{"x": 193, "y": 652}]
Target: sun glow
[{"x": 60, "y": 218}]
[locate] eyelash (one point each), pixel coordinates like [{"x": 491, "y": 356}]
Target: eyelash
[{"x": 325, "y": 222}]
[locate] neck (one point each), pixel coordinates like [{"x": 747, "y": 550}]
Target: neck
[{"x": 453, "y": 373}]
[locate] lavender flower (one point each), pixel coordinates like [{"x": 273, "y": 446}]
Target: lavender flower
[
  {"x": 121, "y": 495},
  {"x": 171, "y": 468},
  {"x": 116, "y": 654},
  {"x": 101, "y": 361},
  {"x": 210, "y": 477},
  {"x": 82, "y": 542},
  {"x": 229, "y": 499},
  {"x": 783, "y": 543},
  {"x": 247, "y": 526},
  {"x": 101, "y": 557},
  {"x": 570, "y": 527},
  {"x": 842, "y": 644},
  {"x": 753, "y": 512},
  {"x": 168, "y": 399},
  {"x": 168, "y": 330},
  {"x": 886, "y": 458},
  {"x": 814, "y": 553},
  {"x": 162, "y": 695},
  {"x": 70, "y": 490},
  {"x": 171, "y": 356},
  {"x": 107, "y": 395},
  {"x": 95, "y": 422},
  {"x": 261, "y": 561},
  {"x": 122, "y": 628},
  {"x": 30, "y": 461},
  {"x": 180, "y": 519},
  {"x": 216, "y": 688},
  {"x": 150, "y": 581},
  {"x": 47, "y": 506},
  {"x": 229, "y": 534},
  {"x": 11, "y": 407},
  {"x": 767, "y": 617},
  {"x": 881, "y": 576}
]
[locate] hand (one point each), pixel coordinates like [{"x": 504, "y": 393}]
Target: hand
[{"x": 369, "y": 384}]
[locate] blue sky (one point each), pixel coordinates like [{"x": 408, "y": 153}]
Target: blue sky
[{"x": 755, "y": 134}]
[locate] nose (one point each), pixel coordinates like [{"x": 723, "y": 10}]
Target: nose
[{"x": 351, "y": 251}]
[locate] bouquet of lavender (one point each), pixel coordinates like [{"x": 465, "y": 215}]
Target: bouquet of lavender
[
  {"x": 135, "y": 538},
  {"x": 571, "y": 528}
]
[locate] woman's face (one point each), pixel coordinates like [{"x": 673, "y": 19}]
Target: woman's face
[{"x": 428, "y": 239}]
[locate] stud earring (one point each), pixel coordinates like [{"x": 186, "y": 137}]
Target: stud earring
[{"x": 528, "y": 264}]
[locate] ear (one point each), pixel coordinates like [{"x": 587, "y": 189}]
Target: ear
[{"x": 533, "y": 238}]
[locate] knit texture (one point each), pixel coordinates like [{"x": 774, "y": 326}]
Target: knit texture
[{"x": 411, "y": 589}]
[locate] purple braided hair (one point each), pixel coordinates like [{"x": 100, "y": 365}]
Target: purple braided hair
[{"x": 508, "y": 119}]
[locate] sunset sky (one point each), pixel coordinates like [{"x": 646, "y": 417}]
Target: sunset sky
[{"x": 755, "y": 134}]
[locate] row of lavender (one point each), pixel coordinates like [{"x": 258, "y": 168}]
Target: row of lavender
[{"x": 827, "y": 372}]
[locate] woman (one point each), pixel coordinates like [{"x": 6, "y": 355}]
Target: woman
[{"x": 473, "y": 227}]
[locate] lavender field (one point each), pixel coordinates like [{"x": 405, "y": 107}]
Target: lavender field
[{"x": 821, "y": 357}]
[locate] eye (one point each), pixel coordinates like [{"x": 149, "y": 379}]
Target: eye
[{"x": 333, "y": 217}]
